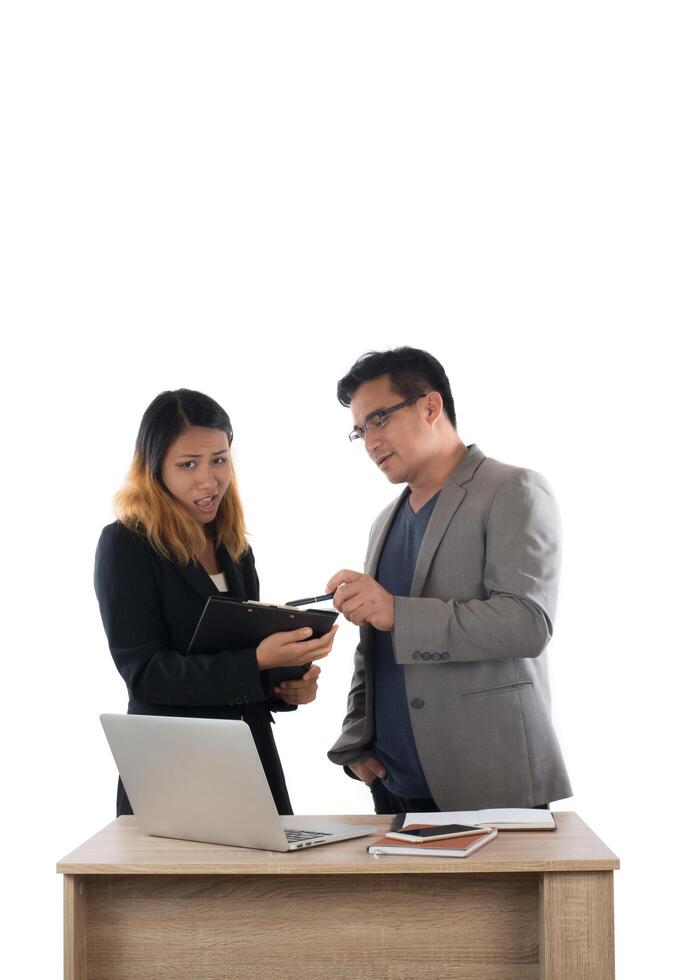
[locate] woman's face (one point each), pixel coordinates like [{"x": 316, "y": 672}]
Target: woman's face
[{"x": 197, "y": 470}]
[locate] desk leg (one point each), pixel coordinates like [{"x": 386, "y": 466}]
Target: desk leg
[
  {"x": 576, "y": 918},
  {"x": 75, "y": 949}
]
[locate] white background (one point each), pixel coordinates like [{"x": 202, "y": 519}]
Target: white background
[{"x": 244, "y": 198}]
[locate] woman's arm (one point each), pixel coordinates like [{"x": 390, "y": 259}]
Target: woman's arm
[{"x": 132, "y": 612}]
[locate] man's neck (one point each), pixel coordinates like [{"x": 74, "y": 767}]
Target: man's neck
[{"x": 434, "y": 476}]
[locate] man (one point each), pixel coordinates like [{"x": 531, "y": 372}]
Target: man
[{"x": 449, "y": 707}]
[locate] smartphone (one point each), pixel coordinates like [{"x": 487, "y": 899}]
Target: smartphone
[{"x": 420, "y": 834}]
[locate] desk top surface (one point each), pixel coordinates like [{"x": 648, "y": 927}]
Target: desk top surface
[{"x": 122, "y": 848}]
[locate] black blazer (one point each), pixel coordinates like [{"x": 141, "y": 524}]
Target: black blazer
[{"x": 150, "y": 606}]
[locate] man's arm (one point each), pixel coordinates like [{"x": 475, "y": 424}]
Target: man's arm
[
  {"x": 521, "y": 577},
  {"x": 521, "y": 573}
]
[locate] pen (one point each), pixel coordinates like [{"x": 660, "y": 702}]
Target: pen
[{"x": 313, "y": 598}]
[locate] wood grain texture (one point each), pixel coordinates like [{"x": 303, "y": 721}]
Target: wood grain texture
[
  {"x": 463, "y": 927},
  {"x": 75, "y": 930},
  {"x": 576, "y": 919},
  {"x": 122, "y": 848},
  {"x": 532, "y": 905}
]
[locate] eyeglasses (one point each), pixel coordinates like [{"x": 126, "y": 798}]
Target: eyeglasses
[{"x": 377, "y": 420}]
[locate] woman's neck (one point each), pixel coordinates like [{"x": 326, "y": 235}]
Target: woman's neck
[{"x": 208, "y": 558}]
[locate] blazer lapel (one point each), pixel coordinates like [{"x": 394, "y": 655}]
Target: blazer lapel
[
  {"x": 233, "y": 575},
  {"x": 196, "y": 577},
  {"x": 451, "y": 497},
  {"x": 376, "y": 545}
]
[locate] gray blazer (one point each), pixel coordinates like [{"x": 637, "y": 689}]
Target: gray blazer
[{"x": 472, "y": 638}]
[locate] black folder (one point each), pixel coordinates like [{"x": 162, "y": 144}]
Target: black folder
[{"x": 235, "y": 624}]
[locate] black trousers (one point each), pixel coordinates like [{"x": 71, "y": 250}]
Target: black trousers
[{"x": 386, "y": 802}]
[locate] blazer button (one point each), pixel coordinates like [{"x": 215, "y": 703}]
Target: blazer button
[
  {"x": 417, "y": 655},
  {"x": 417, "y": 703},
  {"x": 444, "y": 656},
  {"x": 427, "y": 655}
]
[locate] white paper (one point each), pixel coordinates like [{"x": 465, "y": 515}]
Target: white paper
[{"x": 496, "y": 818}]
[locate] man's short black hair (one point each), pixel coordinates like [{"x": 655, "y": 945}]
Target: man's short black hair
[{"x": 410, "y": 370}]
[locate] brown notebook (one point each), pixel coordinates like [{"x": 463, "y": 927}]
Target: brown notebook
[{"x": 450, "y": 847}]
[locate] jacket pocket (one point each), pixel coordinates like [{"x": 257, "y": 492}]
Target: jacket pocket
[
  {"x": 496, "y": 765},
  {"x": 502, "y": 689}
]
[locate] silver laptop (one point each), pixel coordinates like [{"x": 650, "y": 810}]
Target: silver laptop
[{"x": 201, "y": 779}]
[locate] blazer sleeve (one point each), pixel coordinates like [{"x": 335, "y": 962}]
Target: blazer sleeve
[
  {"x": 131, "y": 607},
  {"x": 353, "y": 743},
  {"x": 521, "y": 576}
]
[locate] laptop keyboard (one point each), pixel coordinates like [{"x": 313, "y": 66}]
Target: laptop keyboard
[{"x": 293, "y": 836}]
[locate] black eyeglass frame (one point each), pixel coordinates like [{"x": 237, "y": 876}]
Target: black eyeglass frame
[{"x": 380, "y": 417}]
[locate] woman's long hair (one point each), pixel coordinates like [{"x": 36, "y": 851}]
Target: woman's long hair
[{"x": 145, "y": 505}]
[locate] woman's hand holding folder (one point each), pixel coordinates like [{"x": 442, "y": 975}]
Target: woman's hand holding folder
[
  {"x": 302, "y": 691},
  {"x": 293, "y": 648}
]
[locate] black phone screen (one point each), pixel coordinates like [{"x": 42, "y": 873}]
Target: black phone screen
[{"x": 448, "y": 828}]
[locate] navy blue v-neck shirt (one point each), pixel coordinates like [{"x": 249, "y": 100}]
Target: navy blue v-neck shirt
[{"x": 394, "y": 744}]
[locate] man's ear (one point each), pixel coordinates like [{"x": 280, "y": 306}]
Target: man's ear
[{"x": 434, "y": 406}]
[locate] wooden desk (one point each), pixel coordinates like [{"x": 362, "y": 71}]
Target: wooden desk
[{"x": 530, "y": 905}]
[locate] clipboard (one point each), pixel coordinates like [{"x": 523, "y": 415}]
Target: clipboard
[{"x": 240, "y": 623}]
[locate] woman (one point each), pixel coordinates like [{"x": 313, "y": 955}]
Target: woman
[{"x": 180, "y": 537}]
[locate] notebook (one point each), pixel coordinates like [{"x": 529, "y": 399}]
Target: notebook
[
  {"x": 453, "y": 847},
  {"x": 513, "y": 818}
]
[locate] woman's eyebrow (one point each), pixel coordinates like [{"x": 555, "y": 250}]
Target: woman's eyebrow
[{"x": 220, "y": 452}]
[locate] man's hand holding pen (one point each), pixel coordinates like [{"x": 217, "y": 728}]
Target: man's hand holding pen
[{"x": 361, "y": 599}]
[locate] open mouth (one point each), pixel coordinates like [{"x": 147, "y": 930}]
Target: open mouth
[{"x": 206, "y": 503}]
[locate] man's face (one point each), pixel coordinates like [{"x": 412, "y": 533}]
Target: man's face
[{"x": 398, "y": 448}]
